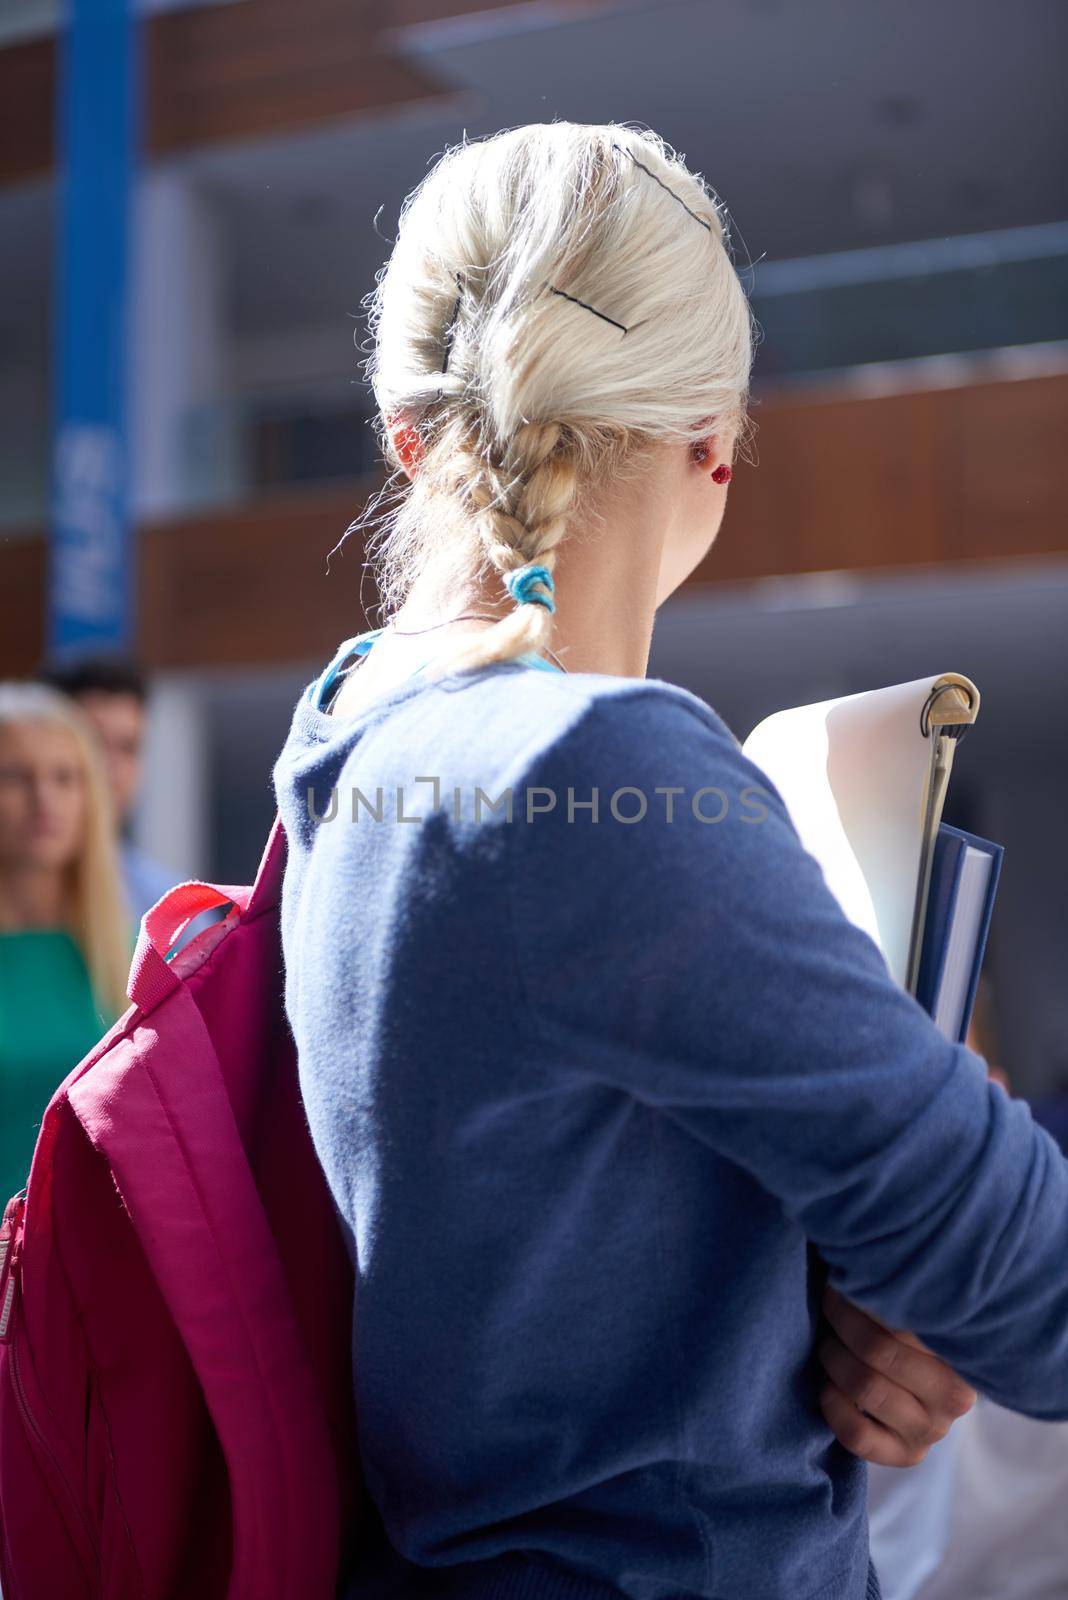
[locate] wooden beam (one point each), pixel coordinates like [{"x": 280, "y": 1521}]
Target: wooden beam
[
  {"x": 906, "y": 481},
  {"x": 423, "y": 13},
  {"x": 23, "y": 575},
  {"x": 269, "y": 66},
  {"x": 255, "y": 584},
  {"x": 213, "y": 73},
  {"x": 27, "y": 110},
  {"x": 936, "y": 475}
]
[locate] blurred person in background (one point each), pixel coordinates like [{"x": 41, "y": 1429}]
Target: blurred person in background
[
  {"x": 980, "y": 1517},
  {"x": 910, "y": 1514},
  {"x": 1006, "y": 1536},
  {"x": 112, "y": 693},
  {"x": 983, "y": 1036},
  {"x": 1052, "y": 1112},
  {"x": 1051, "y": 1108},
  {"x": 65, "y": 937}
]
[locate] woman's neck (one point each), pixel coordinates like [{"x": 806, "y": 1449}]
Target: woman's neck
[
  {"x": 32, "y": 897},
  {"x": 606, "y": 575}
]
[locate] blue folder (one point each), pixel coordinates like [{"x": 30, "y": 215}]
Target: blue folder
[{"x": 952, "y": 953}]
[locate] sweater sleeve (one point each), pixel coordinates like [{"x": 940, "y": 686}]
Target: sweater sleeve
[{"x": 702, "y": 965}]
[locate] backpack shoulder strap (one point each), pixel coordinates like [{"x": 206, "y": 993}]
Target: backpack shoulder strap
[{"x": 152, "y": 978}]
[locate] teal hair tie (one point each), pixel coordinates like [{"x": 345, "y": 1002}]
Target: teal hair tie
[{"x": 527, "y": 586}]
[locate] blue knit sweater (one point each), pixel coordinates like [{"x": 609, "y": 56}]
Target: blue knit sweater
[{"x": 602, "y": 1097}]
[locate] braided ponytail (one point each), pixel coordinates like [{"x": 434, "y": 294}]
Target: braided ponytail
[
  {"x": 519, "y": 503},
  {"x": 558, "y": 296}
]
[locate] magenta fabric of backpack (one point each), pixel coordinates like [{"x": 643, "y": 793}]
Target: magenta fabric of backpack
[{"x": 176, "y": 1413}]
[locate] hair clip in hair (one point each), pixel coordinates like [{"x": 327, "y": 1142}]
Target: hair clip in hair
[
  {"x": 575, "y": 301},
  {"x": 531, "y": 585},
  {"x": 450, "y": 326},
  {"x": 666, "y": 188}
]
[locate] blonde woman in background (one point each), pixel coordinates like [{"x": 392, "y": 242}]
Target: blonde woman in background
[
  {"x": 612, "y": 1097},
  {"x": 65, "y": 934}
]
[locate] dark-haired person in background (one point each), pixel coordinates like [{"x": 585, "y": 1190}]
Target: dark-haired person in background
[{"x": 112, "y": 692}]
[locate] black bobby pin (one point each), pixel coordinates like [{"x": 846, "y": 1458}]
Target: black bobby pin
[
  {"x": 664, "y": 186},
  {"x": 577, "y": 302},
  {"x": 451, "y": 324}
]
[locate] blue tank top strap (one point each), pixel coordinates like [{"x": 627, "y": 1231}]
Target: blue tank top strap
[
  {"x": 531, "y": 660},
  {"x": 362, "y": 643},
  {"x": 359, "y": 645}
]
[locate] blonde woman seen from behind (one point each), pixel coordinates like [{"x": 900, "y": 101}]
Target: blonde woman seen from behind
[
  {"x": 613, "y": 1100},
  {"x": 65, "y": 938}
]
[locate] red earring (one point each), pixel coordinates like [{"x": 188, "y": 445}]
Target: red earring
[{"x": 700, "y": 452}]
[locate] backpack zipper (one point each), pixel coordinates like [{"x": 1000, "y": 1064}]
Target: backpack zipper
[{"x": 10, "y": 1255}]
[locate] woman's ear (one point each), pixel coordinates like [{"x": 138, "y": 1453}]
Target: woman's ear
[
  {"x": 407, "y": 443},
  {"x": 707, "y": 452},
  {"x": 713, "y": 451}
]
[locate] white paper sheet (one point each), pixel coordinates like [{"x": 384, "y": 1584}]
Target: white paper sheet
[{"x": 853, "y": 773}]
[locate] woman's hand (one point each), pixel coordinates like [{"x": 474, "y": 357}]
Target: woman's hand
[{"x": 887, "y": 1399}]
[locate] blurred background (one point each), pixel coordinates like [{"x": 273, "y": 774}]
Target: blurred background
[{"x": 188, "y": 204}]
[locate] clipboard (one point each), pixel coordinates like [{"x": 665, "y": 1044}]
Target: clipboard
[{"x": 864, "y": 778}]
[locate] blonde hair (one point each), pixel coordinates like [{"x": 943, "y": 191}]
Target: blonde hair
[
  {"x": 98, "y": 917},
  {"x": 559, "y": 297}
]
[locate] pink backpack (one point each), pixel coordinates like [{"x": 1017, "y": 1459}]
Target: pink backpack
[{"x": 176, "y": 1412}]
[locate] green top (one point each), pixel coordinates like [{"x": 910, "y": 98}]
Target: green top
[{"x": 48, "y": 1021}]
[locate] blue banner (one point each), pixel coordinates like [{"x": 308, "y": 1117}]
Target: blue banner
[{"x": 91, "y": 587}]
